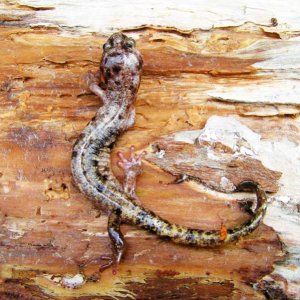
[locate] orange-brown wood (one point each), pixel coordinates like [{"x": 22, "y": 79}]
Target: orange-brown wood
[{"x": 49, "y": 230}]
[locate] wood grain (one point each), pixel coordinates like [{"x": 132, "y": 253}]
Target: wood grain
[{"x": 49, "y": 231}]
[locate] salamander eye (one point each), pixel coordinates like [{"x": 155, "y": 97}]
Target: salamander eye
[
  {"x": 129, "y": 43},
  {"x": 107, "y": 46}
]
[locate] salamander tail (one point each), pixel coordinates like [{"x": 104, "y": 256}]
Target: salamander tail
[{"x": 205, "y": 238}]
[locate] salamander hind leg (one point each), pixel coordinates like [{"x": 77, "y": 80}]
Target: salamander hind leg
[
  {"x": 117, "y": 243},
  {"x": 132, "y": 168}
]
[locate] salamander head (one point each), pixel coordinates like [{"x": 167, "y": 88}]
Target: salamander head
[
  {"x": 121, "y": 63},
  {"x": 118, "y": 41}
]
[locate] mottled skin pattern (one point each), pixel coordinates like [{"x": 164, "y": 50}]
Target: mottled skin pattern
[{"x": 120, "y": 69}]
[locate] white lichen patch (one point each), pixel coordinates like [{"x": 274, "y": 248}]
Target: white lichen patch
[
  {"x": 226, "y": 130},
  {"x": 231, "y": 133},
  {"x": 227, "y": 184},
  {"x": 73, "y": 282}
]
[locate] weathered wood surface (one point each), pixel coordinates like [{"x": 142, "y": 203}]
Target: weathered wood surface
[
  {"x": 221, "y": 155},
  {"x": 242, "y": 65}
]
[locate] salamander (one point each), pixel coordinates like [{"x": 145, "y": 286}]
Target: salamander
[{"x": 120, "y": 76}]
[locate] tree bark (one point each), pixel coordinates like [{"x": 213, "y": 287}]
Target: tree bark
[{"x": 200, "y": 61}]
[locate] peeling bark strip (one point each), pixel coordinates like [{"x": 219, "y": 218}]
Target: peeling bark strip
[
  {"x": 221, "y": 156},
  {"x": 249, "y": 71}
]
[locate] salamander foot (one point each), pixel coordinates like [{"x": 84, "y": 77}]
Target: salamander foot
[
  {"x": 132, "y": 168},
  {"x": 117, "y": 243}
]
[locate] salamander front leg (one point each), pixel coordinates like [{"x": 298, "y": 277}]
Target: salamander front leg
[
  {"x": 132, "y": 168},
  {"x": 117, "y": 242},
  {"x": 92, "y": 82}
]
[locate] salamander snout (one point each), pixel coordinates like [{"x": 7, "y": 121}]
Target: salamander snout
[{"x": 119, "y": 41}]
